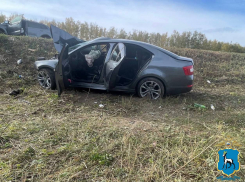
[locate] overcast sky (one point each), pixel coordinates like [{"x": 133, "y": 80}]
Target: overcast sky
[{"x": 223, "y": 20}]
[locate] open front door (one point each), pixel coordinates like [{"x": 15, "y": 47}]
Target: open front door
[
  {"x": 113, "y": 65},
  {"x": 59, "y": 78},
  {"x": 61, "y": 37}
]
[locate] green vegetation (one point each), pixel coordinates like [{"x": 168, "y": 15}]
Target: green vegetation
[
  {"x": 193, "y": 40},
  {"x": 46, "y": 138}
]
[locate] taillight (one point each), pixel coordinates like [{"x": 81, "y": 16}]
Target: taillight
[{"x": 188, "y": 70}]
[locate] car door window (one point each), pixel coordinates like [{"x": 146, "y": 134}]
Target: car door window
[
  {"x": 34, "y": 25},
  {"x": 118, "y": 53},
  {"x": 43, "y": 26}
]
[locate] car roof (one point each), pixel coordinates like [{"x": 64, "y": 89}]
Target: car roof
[
  {"x": 36, "y": 22},
  {"x": 148, "y": 46}
]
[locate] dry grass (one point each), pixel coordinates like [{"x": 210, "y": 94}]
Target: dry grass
[{"x": 46, "y": 138}]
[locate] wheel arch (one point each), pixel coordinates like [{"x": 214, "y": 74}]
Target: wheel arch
[
  {"x": 3, "y": 30},
  {"x": 45, "y": 67}
]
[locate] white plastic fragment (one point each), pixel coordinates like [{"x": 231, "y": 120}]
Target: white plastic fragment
[
  {"x": 19, "y": 61},
  {"x": 25, "y": 101},
  {"x": 208, "y": 81},
  {"x": 212, "y": 107},
  {"x": 101, "y": 105}
]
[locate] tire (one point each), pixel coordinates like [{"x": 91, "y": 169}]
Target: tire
[
  {"x": 151, "y": 87},
  {"x": 2, "y": 32},
  {"x": 46, "y": 78},
  {"x": 46, "y": 37}
]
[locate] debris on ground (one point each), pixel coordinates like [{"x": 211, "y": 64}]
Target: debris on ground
[
  {"x": 32, "y": 50},
  {"x": 25, "y": 101},
  {"x": 2, "y": 59},
  {"x": 131, "y": 122},
  {"x": 199, "y": 106},
  {"x": 154, "y": 144},
  {"x": 20, "y": 76},
  {"x": 212, "y": 107},
  {"x": 101, "y": 105},
  {"x": 152, "y": 113},
  {"x": 16, "y": 92},
  {"x": 19, "y": 61},
  {"x": 208, "y": 81}
]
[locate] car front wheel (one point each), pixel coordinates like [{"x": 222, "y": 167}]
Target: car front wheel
[
  {"x": 151, "y": 87},
  {"x": 2, "y": 32},
  {"x": 46, "y": 78}
]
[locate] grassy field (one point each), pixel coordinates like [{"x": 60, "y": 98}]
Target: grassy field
[{"x": 71, "y": 138}]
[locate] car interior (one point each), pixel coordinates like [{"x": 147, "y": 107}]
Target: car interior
[{"x": 86, "y": 64}]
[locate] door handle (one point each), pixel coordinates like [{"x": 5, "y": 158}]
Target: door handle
[{"x": 111, "y": 68}]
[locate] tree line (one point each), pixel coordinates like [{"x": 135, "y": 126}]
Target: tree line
[{"x": 187, "y": 39}]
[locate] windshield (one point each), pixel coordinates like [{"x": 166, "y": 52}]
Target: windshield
[
  {"x": 75, "y": 47},
  {"x": 17, "y": 19}
]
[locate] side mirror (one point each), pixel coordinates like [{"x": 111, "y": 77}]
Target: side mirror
[{"x": 6, "y": 21}]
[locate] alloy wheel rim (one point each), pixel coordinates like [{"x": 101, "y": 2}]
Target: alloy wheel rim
[
  {"x": 44, "y": 79},
  {"x": 150, "y": 88}
]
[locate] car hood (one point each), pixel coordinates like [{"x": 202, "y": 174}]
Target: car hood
[
  {"x": 61, "y": 37},
  {"x": 3, "y": 25}
]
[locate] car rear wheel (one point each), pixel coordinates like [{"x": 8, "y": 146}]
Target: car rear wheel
[
  {"x": 151, "y": 87},
  {"x": 46, "y": 78}
]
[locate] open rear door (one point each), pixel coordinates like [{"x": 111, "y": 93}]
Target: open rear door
[
  {"x": 59, "y": 78},
  {"x": 113, "y": 65}
]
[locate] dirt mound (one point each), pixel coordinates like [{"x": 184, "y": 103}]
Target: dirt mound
[{"x": 28, "y": 50}]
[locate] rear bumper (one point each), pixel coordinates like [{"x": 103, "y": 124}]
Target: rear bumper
[{"x": 178, "y": 90}]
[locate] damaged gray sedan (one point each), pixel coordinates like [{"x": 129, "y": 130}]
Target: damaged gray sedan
[{"x": 114, "y": 65}]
